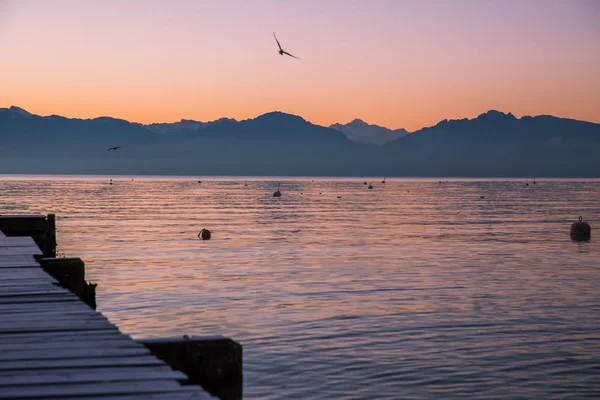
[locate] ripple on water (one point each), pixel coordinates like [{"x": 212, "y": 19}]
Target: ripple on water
[{"x": 411, "y": 290}]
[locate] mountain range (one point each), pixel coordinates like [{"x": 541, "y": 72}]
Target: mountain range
[
  {"x": 361, "y": 132},
  {"x": 492, "y": 144}
]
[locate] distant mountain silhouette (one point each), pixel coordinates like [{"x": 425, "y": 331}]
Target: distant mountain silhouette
[
  {"x": 361, "y": 132},
  {"x": 493, "y": 144}
]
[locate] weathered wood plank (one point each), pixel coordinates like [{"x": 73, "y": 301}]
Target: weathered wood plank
[
  {"x": 70, "y": 376},
  {"x": 63, "y": 337},
  {"x": 43, "y": 319},
  {"x": 192, "y": 395},
  {"x": 79, "y": 363},
  {"x": 47, "y": 326},
  {"x": 42, "y": 307},
  {"x": 59, "y": 298},
  {"x": 19, "y": 251},
  {"x": 70, "y": 353},
  {"x": 25, "y": 291},
  {"x": 89, "y": 389},
  {"x": 79, "y": 344}
]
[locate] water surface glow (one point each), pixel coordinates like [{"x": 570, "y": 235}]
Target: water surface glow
[{"x": 416, "y": 289}]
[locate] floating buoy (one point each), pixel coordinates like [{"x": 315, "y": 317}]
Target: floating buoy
[
  {"x": 365, "y": 183},
  {"x": 277, "y": 192},
  {"x": 199, "y": 181},
  {"x": 204, "y": 234},
  {"x": 370, "y": 186},
  {"x": 383, "y": 181},
  {"x": 581, "y": 230},
  {"x": 339, "y": 197},
  {"x": 110, "y": 183},
  {"x": 482, "y": 197}
]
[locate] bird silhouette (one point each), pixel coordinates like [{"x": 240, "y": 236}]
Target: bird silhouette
[
  {"x": 113, "y": 148},
  {"x": 281, "y": 51}
]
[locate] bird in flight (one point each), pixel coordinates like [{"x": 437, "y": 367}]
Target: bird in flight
[
  {"x": 113, "y": 148},
  {"x": 281, "y": 51}
]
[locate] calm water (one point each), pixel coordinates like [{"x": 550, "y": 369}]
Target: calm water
[{"x": 412, "y": 290}]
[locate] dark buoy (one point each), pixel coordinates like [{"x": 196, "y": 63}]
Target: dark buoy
[
  {"x": 370, "y": 186},
  {"x": 277, "y": 192},
  {"x": 383, "y": 181},
  {"x": 365, "y": 183},
  {"x": 110, "y": 183},
  {"x": 482, "y": 197},
  {"x": 199, "y": 181},
  {"x": 339, "y": 197},
  {"x": 534, "y": 182},
  {"x": 581, "y": 230},
  {"x": 204, "y": 234}
]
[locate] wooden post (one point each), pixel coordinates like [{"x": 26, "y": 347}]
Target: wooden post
[
  {"x": 49, "y": 242},
  {"x": 70, "y": 273},
  {"x": 40, "y": 227},
  {"x": 215, "y": 362}
]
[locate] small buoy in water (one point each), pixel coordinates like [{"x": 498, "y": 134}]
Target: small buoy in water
[
  {"x": 370, "y": 186},
  {"x": 277, "y": 192},
  {"x": 534, "y": 182},
  {"x": 482, "y": 197},
  {"x": 339, "y": 197},
  {"x": 383, "y": 181},
  {"x": 320, "y": 193},
  {"x": 581, "y": 230},
  {"x": 527, "y": 184},
  {"x": 204, "y": 234},
  {"x": 365, "y": 183},
  {"x": 199, "y": 181},
  {"x": 302, "y": 193},
  {"x": 110, "y": 183}
]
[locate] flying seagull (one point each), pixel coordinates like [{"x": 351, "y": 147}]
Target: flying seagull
[
  {"x": 281, "y": 51},
  {"x": 114, "y": 148}
]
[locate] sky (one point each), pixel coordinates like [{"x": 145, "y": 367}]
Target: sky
[{"x": 400, "y": 64}]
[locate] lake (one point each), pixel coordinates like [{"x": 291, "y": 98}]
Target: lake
[{"x": 415, "y": 289}]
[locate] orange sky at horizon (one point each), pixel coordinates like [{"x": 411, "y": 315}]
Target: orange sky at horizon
[{"x": 205, "y": 60}]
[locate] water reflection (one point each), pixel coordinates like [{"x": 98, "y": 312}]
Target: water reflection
[{"x": 412, "y": 290}]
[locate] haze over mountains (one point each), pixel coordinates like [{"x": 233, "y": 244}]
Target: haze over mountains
[
  {"x": 493, "y": 144},
  {"x": 361, "y": 132}
]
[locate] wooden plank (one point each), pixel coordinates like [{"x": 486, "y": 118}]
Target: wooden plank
[
  {"x": 18, "y": 251},
  {"x": 79, "y": 363},
  {"x": 63, "y": 337},
  {"x": 79, "y": 344},
  {"x": 90, "y": 389},
  {"x": 24, "y": 291},
  {"x": 43, "y": 307},
  {"x": 42, "y": 318},
  {"x": 199, "y": 394},
  {"x": 25, "y": 216},
  {"x": 69, "y": 353},
  {"x": 53, "y": 326},
  {"x": 51, "y": 314},
  {"x": 23, "y": 264},
  {"x": 69, "y": 376},
  {"x": 17, "y": 239},
  {"x": 59, "y": 298}
]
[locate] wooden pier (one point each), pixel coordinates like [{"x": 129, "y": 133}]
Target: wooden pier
[{"x": 55, "y": 346}]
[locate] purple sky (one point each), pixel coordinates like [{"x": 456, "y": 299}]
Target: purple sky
[{"x": 394, "y": 63}]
